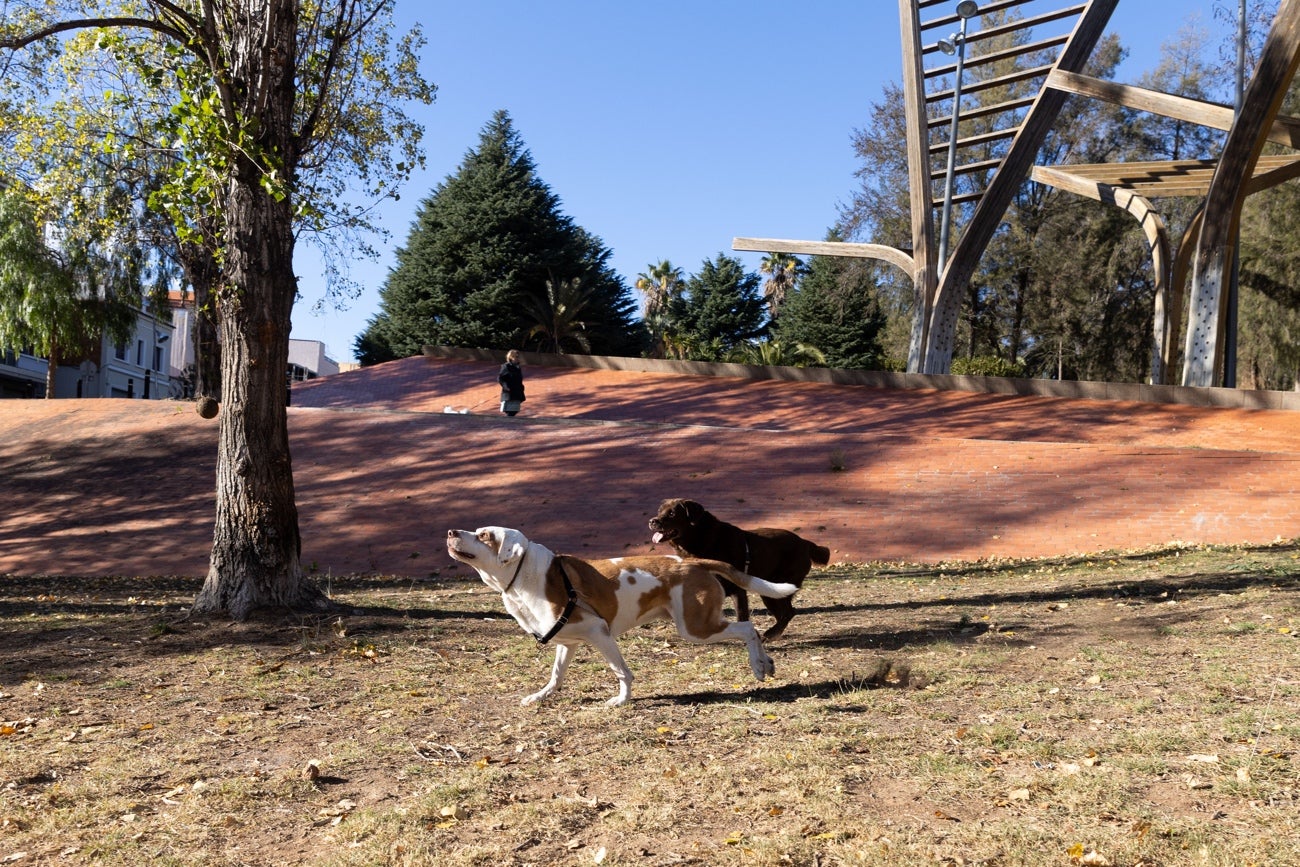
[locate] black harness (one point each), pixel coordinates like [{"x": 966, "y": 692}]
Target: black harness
[
  {"x": 568, "y": 609},
  {"x": 568, "y": 606}
]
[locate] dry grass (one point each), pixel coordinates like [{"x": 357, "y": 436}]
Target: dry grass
[{"x": 1131, "y": 710}]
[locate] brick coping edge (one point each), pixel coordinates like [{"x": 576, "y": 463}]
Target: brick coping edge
[{"x": 1230, "y": 398}]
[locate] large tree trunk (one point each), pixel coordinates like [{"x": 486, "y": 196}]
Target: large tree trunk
[{"x": 255, "y": 560}]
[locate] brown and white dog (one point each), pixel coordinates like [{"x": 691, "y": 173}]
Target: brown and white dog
[
  {"x": 766, "y": 552},
  {"x": 575, "y": 601}
]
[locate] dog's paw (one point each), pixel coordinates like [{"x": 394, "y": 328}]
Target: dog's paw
[
  {"x": 764, "y": 668},
  {"x": 536, "y": 697},
  {"x": 616, "y": 701}
]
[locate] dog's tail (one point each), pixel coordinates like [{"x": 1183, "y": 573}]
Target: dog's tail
[
  {"x": 752, "y": 583},
  {"x": 819, "y": 554}
]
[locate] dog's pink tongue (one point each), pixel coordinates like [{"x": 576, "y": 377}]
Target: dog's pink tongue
[{"x": 657, "y": 537}]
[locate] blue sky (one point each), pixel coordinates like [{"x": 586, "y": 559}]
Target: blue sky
[{"x": 668, "y": 128}]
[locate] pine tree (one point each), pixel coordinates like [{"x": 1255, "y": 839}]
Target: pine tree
[
  {"x": 835, "y": 309},
  {"x": 486, "y": 241},
  {"x": 721, "y": 307}
]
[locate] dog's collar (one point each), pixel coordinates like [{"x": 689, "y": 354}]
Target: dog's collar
[
  {"x": 514, "y": 577},
  {"x": 746, "y": 569},
  {"x": 568, "y": 609}
]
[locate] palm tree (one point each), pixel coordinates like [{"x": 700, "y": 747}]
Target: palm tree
[
  {"x": 774, "y": 353},
  {"x": 784, "y": 271},
  {"x": 556, "y": 319},
  {"x": 659, "y": 283}
]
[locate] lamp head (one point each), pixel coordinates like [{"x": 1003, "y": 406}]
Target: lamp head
[
  {"x": 968, "y": 8},
  {"x": 948, "y": 46}
]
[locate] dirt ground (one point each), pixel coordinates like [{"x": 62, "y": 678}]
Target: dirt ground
[
  {"x": 1132, "y": 709},
  {"x": 961, "y": 686}
]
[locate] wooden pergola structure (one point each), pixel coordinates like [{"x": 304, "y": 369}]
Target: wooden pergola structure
[{"x": 1193, "y": 273}]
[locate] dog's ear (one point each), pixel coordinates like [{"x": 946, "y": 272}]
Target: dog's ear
[
  {"x": 694, "y": 511},
  {"x": 514, "y": 545}
]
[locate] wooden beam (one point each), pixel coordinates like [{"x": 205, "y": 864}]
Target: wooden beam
[
  {"x": 1166, "y": 179},
  {"x": 983, "y": 111},
  {"x": 982, "y": 138},
  {"x": 1266, "y": 177},
  {"x": 1016, "y": 26},
  {"x": 967, "y": 169},
  {"x": 1284, "y": 130},
  {"x": 962, "y": 199},
  {"x": 990, "y": 83},
  {"x": 996, "y": 56},
  {"x": 892, "y": 255},
  {"x": 985, "y": 9}
]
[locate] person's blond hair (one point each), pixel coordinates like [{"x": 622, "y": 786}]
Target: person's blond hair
[{"x": 513, "y": 356}]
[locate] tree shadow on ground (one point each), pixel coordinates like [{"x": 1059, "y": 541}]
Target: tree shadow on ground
[
  {"x": 883, "y": 674},
  {"x": 1133, "y": 590}
]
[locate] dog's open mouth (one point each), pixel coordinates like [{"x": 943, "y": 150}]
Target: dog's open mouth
[{"x": 659, "y": 534}]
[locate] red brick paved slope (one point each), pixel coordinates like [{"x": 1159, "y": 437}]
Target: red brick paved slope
[{"x": 382, "y": 470}]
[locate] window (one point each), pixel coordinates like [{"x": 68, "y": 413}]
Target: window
[
  {"x": 139, "y": 353},
  {"x": 119, "y": 352}
]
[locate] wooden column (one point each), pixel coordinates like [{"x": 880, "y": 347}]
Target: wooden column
[
  {"x": 1203, "y": 352},
  {"x": 925, "y": 276}
]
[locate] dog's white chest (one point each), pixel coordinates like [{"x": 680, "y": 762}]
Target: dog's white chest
[{"x": 536, "y": 616}]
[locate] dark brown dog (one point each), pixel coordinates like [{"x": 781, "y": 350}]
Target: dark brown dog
[{"x": 765, "y": 552}]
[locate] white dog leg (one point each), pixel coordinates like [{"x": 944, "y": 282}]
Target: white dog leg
[
  {"x": 608, "y": 648},
  {"x": 742, "y": 630},
  {"x": 562, "y": 659},
  {"x": 759, "y": 661}
]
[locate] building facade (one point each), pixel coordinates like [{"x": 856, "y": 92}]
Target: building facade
[{"x": 138, "y": 368}]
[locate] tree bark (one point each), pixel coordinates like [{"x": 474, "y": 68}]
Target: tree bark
[{"x": 255, "y": 562}]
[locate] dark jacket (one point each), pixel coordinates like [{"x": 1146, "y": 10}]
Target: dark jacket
[{"x": 511, "y": 378}]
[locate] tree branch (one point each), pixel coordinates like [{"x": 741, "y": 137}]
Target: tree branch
[{"x": 23, "y": 40}]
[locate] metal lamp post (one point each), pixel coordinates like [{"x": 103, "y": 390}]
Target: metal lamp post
[{"x": 956, "y": 44}]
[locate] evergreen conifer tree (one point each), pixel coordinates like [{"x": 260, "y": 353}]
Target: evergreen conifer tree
[
  {"x": 835, "y": 309},
  {"x": 721, "y": 307},
  {"x": 489, "y": 238}
]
